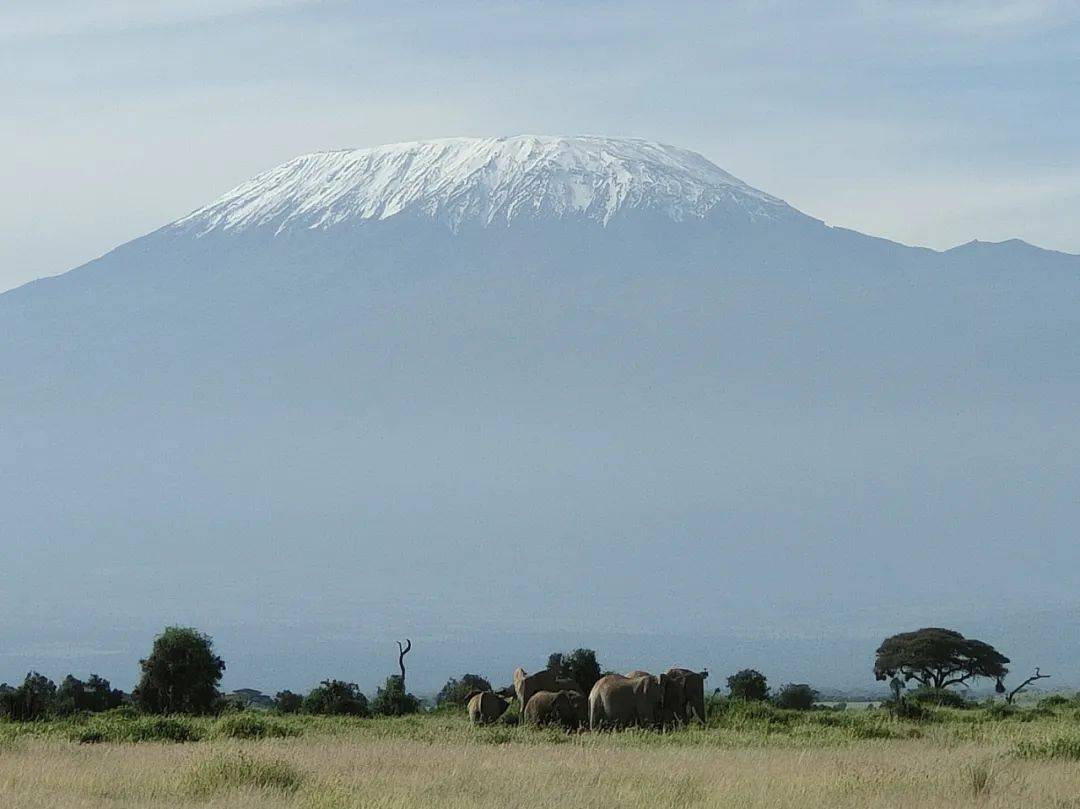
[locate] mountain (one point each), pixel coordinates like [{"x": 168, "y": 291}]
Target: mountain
[{"x": 494, "y": 394}]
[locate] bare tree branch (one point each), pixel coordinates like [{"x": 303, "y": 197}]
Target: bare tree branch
[
  {"x": 1036, "y": 676},
  {"x": 402, "y": 651}
]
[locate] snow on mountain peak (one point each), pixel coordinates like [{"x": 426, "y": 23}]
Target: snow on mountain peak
[{"x": 488, "y": 180}]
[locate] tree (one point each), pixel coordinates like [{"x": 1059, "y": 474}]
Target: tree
[
  {"x": 34, "y": 699},
  {"x": 336, "y": 698},
  {"x": 748, "y": 684},
  {"x": 288, "y": 702},
  {"x": 92, "y": 696},
  {"x": 938, "y": 658},
  {"x": 796, "y": 696},
  {"x": 579, "y": 665},
  {"x": 181, "y": 675},
  {"x": 101, "y": 696},
  {"x": 393, "y": 700},
  {"x": 455, "y": 691}
]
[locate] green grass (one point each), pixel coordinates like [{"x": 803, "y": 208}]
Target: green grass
[
  {"x": 224, "y": 772},
  {"x": 1066, "y": 748},
  {"x": 731, "y": 725}
]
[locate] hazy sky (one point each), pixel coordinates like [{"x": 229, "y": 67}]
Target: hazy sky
[{"x": 927, "y": 122}]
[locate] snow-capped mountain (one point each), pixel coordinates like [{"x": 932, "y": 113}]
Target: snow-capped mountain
[
  {"x": 486, "y": 180},
  {"x": 521, "y": 386}
]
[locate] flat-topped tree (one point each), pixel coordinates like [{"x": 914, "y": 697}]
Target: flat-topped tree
[{"x": 938, "y": 658}]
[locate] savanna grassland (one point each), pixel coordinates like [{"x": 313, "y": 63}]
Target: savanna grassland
[{"x": 748, "y": 756}]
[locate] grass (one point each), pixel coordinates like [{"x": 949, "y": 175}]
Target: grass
[{"x": 748, "y": 756}]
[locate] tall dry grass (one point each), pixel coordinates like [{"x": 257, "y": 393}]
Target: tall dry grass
[{"x": 456, "y": 770}]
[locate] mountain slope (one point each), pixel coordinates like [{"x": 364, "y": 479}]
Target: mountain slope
[{"x": 505, "y": 388}]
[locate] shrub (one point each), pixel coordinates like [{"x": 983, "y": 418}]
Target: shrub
[
  {"x": 748, "y": 684},
  {"x": 252, "y": 726},
  {"x": 393, "y": 700},
  {"x": 336, "y": 698},
  {"x": 181, "y": 674},
  {"x": 1000, "y": 710},
  {"x": 905, "y": 708},
  {"x": 455, "y": 691},
  {"x": 288, "y": 702},
  {"x": 796, "y": 697},
  {"x": 1054, "y": 701},
  {"x": 239, "y": 771},
  {"x": 939, "y": 697},
  {"x": 142, "y": 729}
]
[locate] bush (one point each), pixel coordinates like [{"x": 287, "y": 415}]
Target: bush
[
  {"x": 142, "y": 729},
  {"x": 336, "y": 698},
  {"x": 1055, "y": 701},
  {"x": 1000, "y": 710},
  {"x": 455, "y": 691},
  {"x": 748, "y": 684},
  {"x": 905, "y": 708},
  {"x": 288, "y": 702},
  {"x": 939, "y": 697},
  {"x": 796, "y": 697},
  {"x": 252, "y": 726},
  {"x": 393, "y": 700},
  {"x": 181, "y": 674}
]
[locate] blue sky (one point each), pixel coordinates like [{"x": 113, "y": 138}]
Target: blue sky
[{"x": 927, "y": 122}]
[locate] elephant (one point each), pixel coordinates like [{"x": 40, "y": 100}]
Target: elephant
[
  {"x": 685, "y": 693},
  {"x": 486, "y": 707},
  {"x": 619, "y": 701},
  {"x": 552, "y": 708},
  {"x": 580, "y": 703},
  {"x": 525, "y": 685}
]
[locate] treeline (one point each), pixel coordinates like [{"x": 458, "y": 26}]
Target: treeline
[{"x": 182, "y": 675}]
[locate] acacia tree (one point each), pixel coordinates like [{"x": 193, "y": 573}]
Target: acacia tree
[{"x": 938, "y": 658}]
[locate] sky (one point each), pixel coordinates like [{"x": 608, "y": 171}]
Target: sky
[{"x": 931, "y": 123}]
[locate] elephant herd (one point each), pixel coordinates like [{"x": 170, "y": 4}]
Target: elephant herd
[{"x": 636, "y": 699}]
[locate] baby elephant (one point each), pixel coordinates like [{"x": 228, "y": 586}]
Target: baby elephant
[
  {"x": 566, "y": 709},
  {"x": 486, "y": 707}
]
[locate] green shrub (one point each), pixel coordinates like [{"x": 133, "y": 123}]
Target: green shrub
[
  {"x": 288, "y": 702},
  {"x": 796, "y": 697},
  {"x": 748, "y": 684},
  {"x": 248, "y": 725},
  {"x": 938, "y": 697},
  {"x": 905, "y": 708},
  {"x": 141, "y": 729},
  {"x": 222, "y": 773},
  {"x": 393, "y": 700},
  {"x": 336, "y": 698},
  {"x": 1000, "y": 710},
  {"x": 455, "y": 691},
  {"x": 1054, "y": 701}
]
